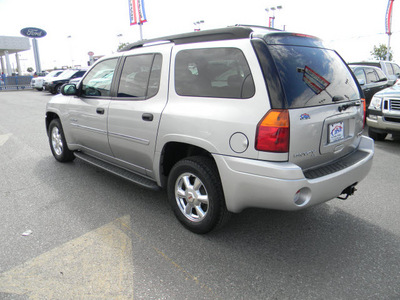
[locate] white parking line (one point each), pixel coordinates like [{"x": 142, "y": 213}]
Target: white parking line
[
  {"x": 97, "y": 265},
  {"x": 4, "y": 138}
]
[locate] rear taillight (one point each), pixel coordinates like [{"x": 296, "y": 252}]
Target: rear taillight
[
  {"x": 273, "y": 131},
  {"x": 365, "y": 111}
]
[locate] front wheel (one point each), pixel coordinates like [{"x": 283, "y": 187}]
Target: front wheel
[
  {"x": 58, "y": 144},
  {"x": 195, "y": 194}
]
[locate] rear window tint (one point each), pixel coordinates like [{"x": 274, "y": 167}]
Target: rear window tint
[
  {"x": 213, "y": 72},
  {"x": 312, "y": 76}
]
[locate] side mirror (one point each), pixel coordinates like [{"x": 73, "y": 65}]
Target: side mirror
[
  {"x": 68, "y": 89},
  {"x": 361, "y": 81}
]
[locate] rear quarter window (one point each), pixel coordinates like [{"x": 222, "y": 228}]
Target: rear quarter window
[
  {"x": 213, "y": 72},
  {"x": 396, "y": 69},
  {"x": 389, "y": 68}
]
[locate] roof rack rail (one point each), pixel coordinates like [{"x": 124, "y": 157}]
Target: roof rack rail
[
  {"x": 258, "y": 26},
  {"x": 228, "y": 33}
]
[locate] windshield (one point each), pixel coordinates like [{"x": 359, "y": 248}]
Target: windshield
[
  {"x": 312, "y": 76},
  {"x": 53, "y": 74},
  {"x": 66, "y": 74}
]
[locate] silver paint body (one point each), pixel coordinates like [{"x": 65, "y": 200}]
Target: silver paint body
[{"x": 225, "y": 128}]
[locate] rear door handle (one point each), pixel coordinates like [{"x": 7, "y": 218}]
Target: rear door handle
[
  {"x": 147, "y": 117},
  {"x": 100, "y": 111}
]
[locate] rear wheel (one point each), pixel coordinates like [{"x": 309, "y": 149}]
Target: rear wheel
[
  {"x": 58, "y": 144},
  {"x": 196, "y": 196},
  {"x": 376, "y": 135}
]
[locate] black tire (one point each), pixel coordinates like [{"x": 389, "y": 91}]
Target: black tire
[
  {"x": 376, "y": 135},
  {"x": 58, "y": 144},
  {"x": 58, "y": 88},
  {"x": 196, "y": 196}
]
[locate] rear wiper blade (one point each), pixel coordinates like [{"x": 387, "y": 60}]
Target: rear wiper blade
[{"x": 346, "y": 106}]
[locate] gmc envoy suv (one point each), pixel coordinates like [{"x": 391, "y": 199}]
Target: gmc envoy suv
[{"x": 223, "y": 119}]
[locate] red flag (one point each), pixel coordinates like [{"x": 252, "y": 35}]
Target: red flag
[{"x": 137, "y": 14}]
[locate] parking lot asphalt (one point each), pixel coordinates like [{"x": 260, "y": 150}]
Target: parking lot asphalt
[{"x": 72, "y": 231}]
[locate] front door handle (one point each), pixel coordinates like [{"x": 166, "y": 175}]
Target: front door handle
[
  {"x": 100, "y": 110},
  {"x": 147, "y": 117}
]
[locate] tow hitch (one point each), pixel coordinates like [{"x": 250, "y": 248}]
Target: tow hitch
[{"x": 349, "y": 191}]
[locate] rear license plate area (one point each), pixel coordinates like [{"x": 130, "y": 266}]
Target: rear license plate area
[{"x": 336, "y": 132}]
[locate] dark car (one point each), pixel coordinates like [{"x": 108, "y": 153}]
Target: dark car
[
  {"x": 371, "y": 79},
  {"x": 389, "y": 68},
  {"x": 54, "y": 85}
]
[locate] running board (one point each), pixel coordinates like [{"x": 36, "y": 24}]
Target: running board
[{"x": 135, "y": 178}]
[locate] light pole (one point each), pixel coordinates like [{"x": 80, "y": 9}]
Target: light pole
[
  {"x": 271, "y": 20},
  {"x": 388, "y": 24},
  {"x": 119, "y": 38},
  {"x": 71, "y": 51}
]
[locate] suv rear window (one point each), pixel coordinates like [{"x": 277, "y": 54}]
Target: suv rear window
[
  {"x": 213, "y": 72},
  {"x": 311, "y": 76}
]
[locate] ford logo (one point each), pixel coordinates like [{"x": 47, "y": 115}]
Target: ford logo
[{"x": 32, "y": 32}]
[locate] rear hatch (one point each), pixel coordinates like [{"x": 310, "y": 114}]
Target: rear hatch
[{"x": 322, "y": 97}]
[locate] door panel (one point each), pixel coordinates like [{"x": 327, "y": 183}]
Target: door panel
[
  {"x": 88, "y": 120},
  {"x": 88, "y": 113},
  {"x": 134, "y": 116}
]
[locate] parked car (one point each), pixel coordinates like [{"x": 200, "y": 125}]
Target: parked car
[
  {"x": 75, "y": 81},
  {"x": 37, "y": 82},
  {"x": 222, "y": 119},
  {"x": 371, "y": 79},
  {"x": 384, "y": 113},
  {"x": 54, "y": 85},
  {"x": 389, "y": 68}
]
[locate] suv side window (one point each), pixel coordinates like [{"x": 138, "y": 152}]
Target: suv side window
[
  {"x": 371, "y": 75},
  {"x": 78, "y": 74},
  {"x": 140, "y": 76},
  {"x": 213, "y": 72},
  {"x": 360, "y": 75},
  {"x": 396, "y": 69},
  {"x": 389, "y": 68},
  {"x": 381, "y": 75},
  {"x": 98, "y": 80}
]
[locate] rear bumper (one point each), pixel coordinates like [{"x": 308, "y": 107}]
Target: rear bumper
[{"x": 283, "y": 186}]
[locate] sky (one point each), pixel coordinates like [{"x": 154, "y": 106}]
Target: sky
[{"x": 75, "y": 27}]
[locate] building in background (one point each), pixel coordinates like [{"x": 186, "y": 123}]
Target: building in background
[{"x": 12, "y": 45}]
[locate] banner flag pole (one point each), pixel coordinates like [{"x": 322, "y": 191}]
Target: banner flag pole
[
  {"x": 137, "y": 14},
  {"x": 388, "y": 25}
]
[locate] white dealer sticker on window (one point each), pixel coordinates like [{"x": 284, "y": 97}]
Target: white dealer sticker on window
[{"x": 336, "y": 132}]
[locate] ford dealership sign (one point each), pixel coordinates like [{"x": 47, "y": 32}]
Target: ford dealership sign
[{"x": 32, "y": 32}]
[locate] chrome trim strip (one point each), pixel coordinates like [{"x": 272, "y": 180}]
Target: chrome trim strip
[
  {"x": 96, "y": 130},
  {"x": 130, "y": 138}
]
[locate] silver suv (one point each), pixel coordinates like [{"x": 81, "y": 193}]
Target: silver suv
[
  {"x": 223, "y": 119},
  {"x": 389, "y": 68},
  {"x": 384, "y": 113}
]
